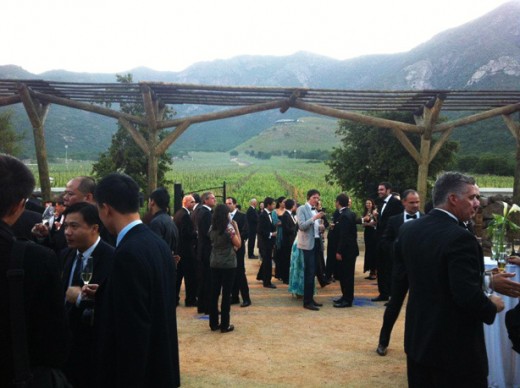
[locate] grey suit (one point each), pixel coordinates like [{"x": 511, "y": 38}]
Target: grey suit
[{"x": 309, "y": 244}]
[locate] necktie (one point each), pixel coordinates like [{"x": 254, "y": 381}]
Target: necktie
[
  {"x": 76, "y": 276},
  {"x": 411, "y": 216}
]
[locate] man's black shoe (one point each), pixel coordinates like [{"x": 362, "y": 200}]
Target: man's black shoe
[
  {"x": 215, "y": 328},
  {"x": 343, "y": 304},
  {"x": 246, "y": 303},
  {"x": 382, "y": 350},
  {"x": 311, "y": 307},
  {"x": 317, "y": 304},
  {"x": 338, "y": 299},
  {"x": 227, "y": 329},
  {"x": 380, "y": 299},
  {"x": 269, "y": 286}
]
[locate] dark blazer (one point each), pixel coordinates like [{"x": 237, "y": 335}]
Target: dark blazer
[
  {"x": 393, "y": 207},
  {"x": 23, "y": 226},
  {"x": 391, "y": 232},
  {"x": 83, "y": 346},
  {"x": 289, "y": 228},
  {"x": 187, "y": 234},
  {"x": 241, "y": 220},
  {"x": 264, "y": 229},
  {"x": 164, "y": 227},
  {"x": 202, "y": 221},
  {"x": 347, "y": 235},
  {"x": 46, "y": 323},
  {"x": 446, "y": 305},
  {"x": 252, "y": 219},
  {"x": 135, "y": 315}
]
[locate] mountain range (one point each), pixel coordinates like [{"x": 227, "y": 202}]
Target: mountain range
[{"x": 480, "y": 55}]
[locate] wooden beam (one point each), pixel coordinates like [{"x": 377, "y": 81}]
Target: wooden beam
[
  {"x": 138, "y": 138},
  {"x": 37, "y": 114},
  {"x": 223, "y": 114},
  {"x": 10, "y": 100},
  {"x": 504, "y": 110},
  {"x": 357, "y": 117},
  {"x": 149, "y": 106},
  {"x": 89, "y": 108},
  {"x": 439, "y": 143},
  {"x": 170, "y": 139},
  {"x": 407, "y": 144}
]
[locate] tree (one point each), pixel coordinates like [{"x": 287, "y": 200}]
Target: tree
[
  {"x": 124, "y": 155},
  {"x": 10, "y": 141},
  {"x": 369, "y": 155}
]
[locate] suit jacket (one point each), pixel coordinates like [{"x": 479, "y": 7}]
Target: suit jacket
[
  {"x": 393, "y": 207},
  {"x": 305, "y": 227},
  {"x": 163, "y": 225},
  {"x": 446, "y": 304},
  {"x": 22, "y": 227},
  {"x": 202, "y": 221},
  {"x": 241, "y": 220},
  {"x": 187, "y": 235},
  {"x": 135, "y": 315},
  {"x": 46, "y": 323},
  {"x": 391, "y": 232},
  {"x": 264, "y": 229},
  {"x": 252, "y": 219},
  {"x": 289, "y": 228},
  {"x": 347, "y": 244}
]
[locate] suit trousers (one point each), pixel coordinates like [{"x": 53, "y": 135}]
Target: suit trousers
[
  {"x": 384, "y": 272},
  {"x": 421, "y": 376},
  {"x": 221, "y": 280},
  {"x": 240, "y": 283},
  {"x": 391, "y": 314},
  {"x": 345, "y": 271},
  {"x": 309, "y": 272},
  {"x": 187, "y": 270},
  {"x": 251, "y": 243}
]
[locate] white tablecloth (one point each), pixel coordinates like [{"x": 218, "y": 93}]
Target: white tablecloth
[{"x": 504, "y": 362}]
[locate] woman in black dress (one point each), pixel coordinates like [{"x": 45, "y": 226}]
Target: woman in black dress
[{"x": 369, "y": 222}]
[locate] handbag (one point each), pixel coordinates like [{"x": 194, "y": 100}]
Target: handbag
[{"x": 25, "y": 376}]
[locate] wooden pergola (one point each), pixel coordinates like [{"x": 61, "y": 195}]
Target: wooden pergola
[{"x": 37, "y": 95}]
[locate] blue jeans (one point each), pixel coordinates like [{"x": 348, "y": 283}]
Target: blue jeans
[{"x": 309, "y": 272}]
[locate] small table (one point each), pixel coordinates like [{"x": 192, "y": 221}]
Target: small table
[{"x": 504, "y": 362}]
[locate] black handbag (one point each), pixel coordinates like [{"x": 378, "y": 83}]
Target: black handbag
[{"x": 25, "y": 376}]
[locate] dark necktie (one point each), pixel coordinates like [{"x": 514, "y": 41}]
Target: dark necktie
[
  {"x": 411, "y": 216},
  {"x": 76, "y": 276}
]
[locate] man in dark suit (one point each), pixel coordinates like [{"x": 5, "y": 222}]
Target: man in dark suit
[
  {"x": 252, "y": 222},
  {"x": 187, "y": 266},
  {"x": 135, "y": 308},
  {"x": 240, "y": 283},
  {"x": 81, "y": 228},
  {"x": 266, "y": 241},
  {"x": 289, "y": 228},
  {"x": 161, "y": 222},
  {"x": 444, "y": 334},
  {"x": 389, "y": 206},
  {"x": 399, "y": 281},
  {"x": 346, "y": 251},
  {"x": 46, "y": 327},
  {"x": 202, "y": 220}
]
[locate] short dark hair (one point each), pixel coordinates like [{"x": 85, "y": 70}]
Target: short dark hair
[
  {"x": 196, "y": 197},
  {"x": 16, "y": 183},
  {"x": 312, "y": 192},
  {"x": 119, "y": 191},
  {"x": 388, "y": 185},
  {"x": 86, "y": 184},
  {"x": 88, "y": 211},
  {"x": 407, "y": 192},
  {"x": 342, "y": 199},
  {"x": 161, "y": 197},
  {"x": 233, "y": 199},
  {"x": 268, "y": 201},
  {"x": 289, "y": 204}
]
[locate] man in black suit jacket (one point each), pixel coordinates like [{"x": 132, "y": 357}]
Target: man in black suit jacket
[
  {"x": 399, "y": 281},
  {"x": 81, "y": 228},
  {"x": 389, "y": 206},
  {"x": 46, "y": 327},
  {"x": 187, "y": 266},
  {"x": 346, "y": 251},
  {"x": 252, "y": 223},
  {"x": 266, "y": 240},
  {"x": 289, "y": 229},
  {"x": 240, "y": 283},
  {"x": 202, "y": 220},
  {"x": 135, "y": 308},
  {"x": 444, "y": 334}
]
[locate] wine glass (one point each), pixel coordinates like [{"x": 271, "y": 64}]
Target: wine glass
[
  {"x": 47, "y": 215},
  {"x": 502, "y": 260},
  {"x": 86, "y": 272},
  {"x": 486, "y": 284}
]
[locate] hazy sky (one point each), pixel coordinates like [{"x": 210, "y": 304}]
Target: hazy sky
[{"x": 115, "y": 36}]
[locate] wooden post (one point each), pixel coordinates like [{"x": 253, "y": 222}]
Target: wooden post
[
  {"x": 37, "y": 113},
  {"x": 151, "y": 110}
]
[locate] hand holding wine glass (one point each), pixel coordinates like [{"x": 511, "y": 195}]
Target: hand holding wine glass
[{"x": 86, "y": 272}]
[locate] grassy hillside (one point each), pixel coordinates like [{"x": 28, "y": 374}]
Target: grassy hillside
[{"x": 304, "y": 134}]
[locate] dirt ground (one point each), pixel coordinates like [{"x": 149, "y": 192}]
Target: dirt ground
[{"x": 277, "y": 343}]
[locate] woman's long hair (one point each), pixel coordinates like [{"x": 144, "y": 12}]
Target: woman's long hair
[
  {"x": 220, "y": 219},
  {"x": 373, "y": 205}
]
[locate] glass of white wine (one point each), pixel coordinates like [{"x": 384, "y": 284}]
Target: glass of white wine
[{"x": 86, "y": 273}]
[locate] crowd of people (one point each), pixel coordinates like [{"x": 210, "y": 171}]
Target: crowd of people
[{"x": 100, "y": 287}]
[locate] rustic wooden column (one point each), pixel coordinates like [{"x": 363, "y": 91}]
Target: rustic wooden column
[
  {"x": 152, "y": 110},
  {"x": 37, "y": 113},
  {"x": 514, "y": 128}
]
